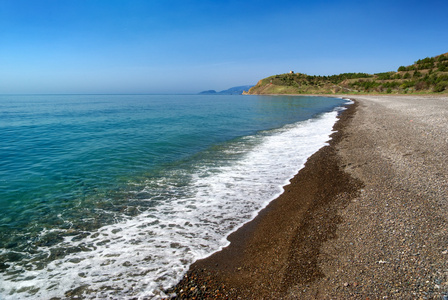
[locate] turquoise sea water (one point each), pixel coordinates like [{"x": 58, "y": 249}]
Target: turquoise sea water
[{"x": 116, "y": 195}]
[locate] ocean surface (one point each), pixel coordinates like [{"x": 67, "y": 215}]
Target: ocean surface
[{"x": 115, "y": 196}]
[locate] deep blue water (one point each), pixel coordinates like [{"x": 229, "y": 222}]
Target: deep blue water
[{"x": 75, "y": 168}]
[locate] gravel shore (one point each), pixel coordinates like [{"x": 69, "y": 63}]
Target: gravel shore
[
  {"x": 367, "y": 218},
  {"x": 393, "y": 242}
]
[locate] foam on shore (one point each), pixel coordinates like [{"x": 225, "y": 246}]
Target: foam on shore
[{"x": 188, "y": 219}]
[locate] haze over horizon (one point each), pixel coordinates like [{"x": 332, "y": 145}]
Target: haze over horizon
[{"x": 178, "y": 46}]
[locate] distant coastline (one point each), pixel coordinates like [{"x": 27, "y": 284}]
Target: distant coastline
[{"x": 237, "y": 90}]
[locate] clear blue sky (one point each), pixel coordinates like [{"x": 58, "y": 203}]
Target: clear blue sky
[{"x": 182, "y": 46}]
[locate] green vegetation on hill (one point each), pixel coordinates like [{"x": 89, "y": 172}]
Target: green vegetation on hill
[{"x": 428, "y": 75}]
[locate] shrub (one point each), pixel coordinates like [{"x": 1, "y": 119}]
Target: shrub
[
  {"x": 391, "y": 84},
  {"x": 432, "y": 79},
  {"x": 402, "y": 69},
  {"x": 384, "y": 76},
  {"x": 341, "y": 77},
  {"x": 406, "y": 76},
  {"x": 441, "y": 86},
  {"x": 421, "y": 85},
  {"x": 442, "y": 78},
  {"x": 407, "y": 84},
  {"x": 427, "y": 66}
]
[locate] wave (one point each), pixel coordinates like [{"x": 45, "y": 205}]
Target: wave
[{"x": 182, "y": 215}]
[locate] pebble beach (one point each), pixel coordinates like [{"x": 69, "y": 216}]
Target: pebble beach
[{"x": 365, "y": 219}]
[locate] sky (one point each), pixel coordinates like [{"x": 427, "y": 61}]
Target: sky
[{"x": 187, "y": 46}]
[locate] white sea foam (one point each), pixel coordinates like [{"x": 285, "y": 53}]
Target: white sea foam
[{"x": 145, "y": 254}]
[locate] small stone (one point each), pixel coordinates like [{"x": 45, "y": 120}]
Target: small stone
[
  {"x": 346, "y": 284},
  {"x": 445, "y": 252},
  {"x": 127, "y": 264}
]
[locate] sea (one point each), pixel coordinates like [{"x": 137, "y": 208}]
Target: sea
[{"x": 115, "y": 196}]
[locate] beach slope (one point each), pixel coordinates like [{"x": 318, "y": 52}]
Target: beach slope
[{"x": 365, "y": 218}]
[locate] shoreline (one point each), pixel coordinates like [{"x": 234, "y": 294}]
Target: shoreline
[
  {"x": 243, "y": 267},
  {"x": 340, "y": 229}
]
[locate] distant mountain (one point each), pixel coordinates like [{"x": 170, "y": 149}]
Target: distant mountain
[
  {"x": 209, "y": 92},
  {"x": 237, "y": 90}
]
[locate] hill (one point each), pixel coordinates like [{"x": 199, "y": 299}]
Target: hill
[
  {"x": 428, "y": 75},
  {"x": 208, "y": 92},
  {"x": 237, "y": 90}
]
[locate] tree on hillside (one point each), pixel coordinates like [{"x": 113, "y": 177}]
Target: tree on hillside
[
  {"x": 425, "y": 60},
  {"x": 442, "y": 58},
  {"x": 383, "y": 76},
  {"x": 417, "y": 74}
]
